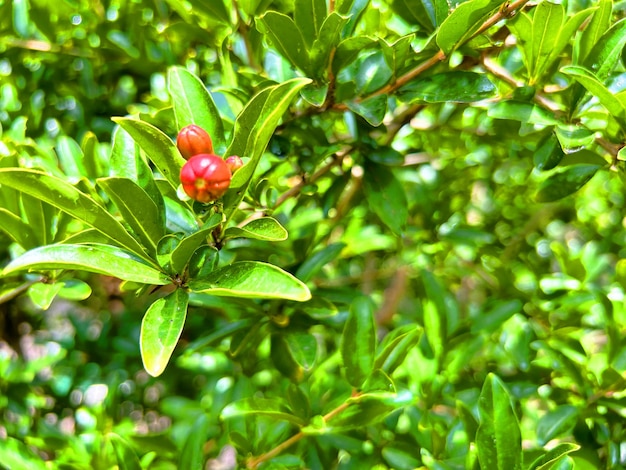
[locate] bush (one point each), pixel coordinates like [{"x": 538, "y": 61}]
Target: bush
[{"x": 417, "y": 266}]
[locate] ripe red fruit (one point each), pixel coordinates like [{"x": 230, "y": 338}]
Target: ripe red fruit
[
  {"x": 193, "y": 140},
  {"x": 234, "y": 163},
  {"x": 205, "y": 177}
]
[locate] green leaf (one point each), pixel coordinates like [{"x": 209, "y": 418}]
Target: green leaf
[
  {"x": 395, "y": 352},
  {"x": 193, "y": 104},
  {"x": 158, "y": 147},
  {"x": 294, "y": 353},
  {"x": 492, "y": 319},
  {"x": 181, "y": 255},
  {"x": 550, "y": 458},
  {"x": 498, "y": 438},
  {"x": 71, "y": 158},
  {"x": 521, "y": 111},
  {"x": 565, "y": 182},
  {"x": 253, "y": 129},
  {"x": 318, "y": 260},
  {"x": 42, "y": 294},
  {"x": 358, "y": 342},
  {"x": 15, "y": 454},
  {"x": 137, "y": 209},
  {"x": 605, "y": 54},
  {"x": 58, "y": 193},
  {"x": 286, "y": 37},
  {"x": 252, "y": 279},
  {"x": 549, "y": 153},
  {"x": 270, "y": 407},
  {"x": 557, "y": 422},
  {"x": 385, "y": 196},
  {"x": 192, "y": 455},
  {"x": 463, "y": 22},
  {"x": 102, "y": 259},
  {"x": 372, "y": 109},
  {"x": 160, "y": 329},
  {"x": 17, "y": 230},
  {"x": 547, "y": 22},
  {"x": 126, "y": 458},
  {"x": 590, "y": 36},
  {"x": 329, "y": 37},
  {"x": 594, "y": 86},
  {"x": 454, "y": 87},
  {"x": 308, "y": 16},
  {"x": 264, "y": 228}
]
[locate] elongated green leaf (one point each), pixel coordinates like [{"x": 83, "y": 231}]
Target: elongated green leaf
[
  {"x": 64, "y": 196},
  {"x": 556, "y": 422},
  {"x": 158, "y": 147},
  {"x": 270, "y": 407},
  {"x": 547, "y": 22},
  {"x": 550, "y": 458},
  {"x": 15, "y": 454},
  {"x": 137, "y": 209},
  {"x": 594, "y": 86},
  {"x": 605, "y": 55},
  {"x": 193, "y": 104},
  {"x": 394, "y": 353},
  {"x": 126, "y": 458},
  {"x": 329, "y": 37},
  {"x": 265, "y": 228},
  {"x": 463, "y": 22},
  {"x": 309, "y": 16},
  {"x": 252, "y": 279},
  {"x": 498, "y": 439},
  {"x": 17, "y": 230},
  {"x": 294, "y": 353},
  {"x": 566, "y": 182},
  {"x": 592, "y": 33},
  {"x": 71, "y": 157},
  {"x": 253, "y": 128},
  {"x": 521, "y": 111},
  {"x": 549, "y": 153},
  {"x": 315, "y": 262},
  {"x": 566, "y": 33},
  {"x": 286, "y": 37},
  {"x": 455, "y": 87},
  {"x": 160, "y": 329},
  {"x": 102, "y": 259},
  {"x": 372, "y": 109},
  {"x": 192, "y": 455},
  {"x": 358, "y": 342},
  {"x": 385, "y": 196},
  {"x": 182, "y": 253}
]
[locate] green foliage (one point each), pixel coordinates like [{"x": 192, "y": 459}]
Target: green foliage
[{"x": 418, "y": 265}]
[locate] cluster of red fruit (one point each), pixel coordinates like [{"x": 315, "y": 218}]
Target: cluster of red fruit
[{"x": 205, "y": 177}]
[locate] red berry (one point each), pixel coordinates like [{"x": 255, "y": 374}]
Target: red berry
[
  {"x": 234, "y": 163},
  {"x": 205, "y": 177},
  {"x": 193, "y": 140}
]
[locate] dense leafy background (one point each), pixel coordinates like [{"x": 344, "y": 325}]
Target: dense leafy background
[{"x": 450, "y": 175}]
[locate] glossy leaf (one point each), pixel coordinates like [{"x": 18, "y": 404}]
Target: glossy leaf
[
  {"x": 71, "y": 157},
  {"x": 565, "y": 182},
  {"x": 358, "y": 342},
  {"x": 463, "y": 22},
  {"x": 524, "y": 112},
  {"x": 16, "y": 229},
  {"x": 329, "y": 37},
  {"x": 102, "y": 259},
  {"x": 590, "y": 36},
  {"x": 252, "y": 279},
  {"x": 309, "y": 16},
  {"x": 188, "y": 245},
  {"x": 556, "y": 422},
  {"x": 605, "y": 54},
  {"x": 192, "y": 455},
  {"x": 286, "y": 37},
  {"x": 550, "y": 458},
  {"x": 59, "y": 193},
  {"x": 498, "y": 438},
  {"x": 264, "y": 228},
  {"x": 594, "y": 86},
  {"x": 193, "y": 104},
  {"x": 385, "y": 196},
  {"x": 161, "y": 327},
  {"x": 549, "y": 153},
  {"x": 454, "y": 87},
  {"x": 137, "y": 208},
  {"x": 394, "y": 353},
  {"x": 126, "y": 458},
  {"x": 269, "y": 407},
  {"x": 158, "y": 147},
  {"x": 253, "y": 129},
  {"x": 372, "y": 109}
]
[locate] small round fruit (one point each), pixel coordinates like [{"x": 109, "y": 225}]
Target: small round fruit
[
  {"x": 205, "y": 177},
  {"x": 193, "y": 140},
  {"x": 234, "y": 163}
]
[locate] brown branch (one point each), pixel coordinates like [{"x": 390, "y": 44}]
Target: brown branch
[{"x": 254, "y": 462}]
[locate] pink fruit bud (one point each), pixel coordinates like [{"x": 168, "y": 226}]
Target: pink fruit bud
[{"x": 193, "y": 140}]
